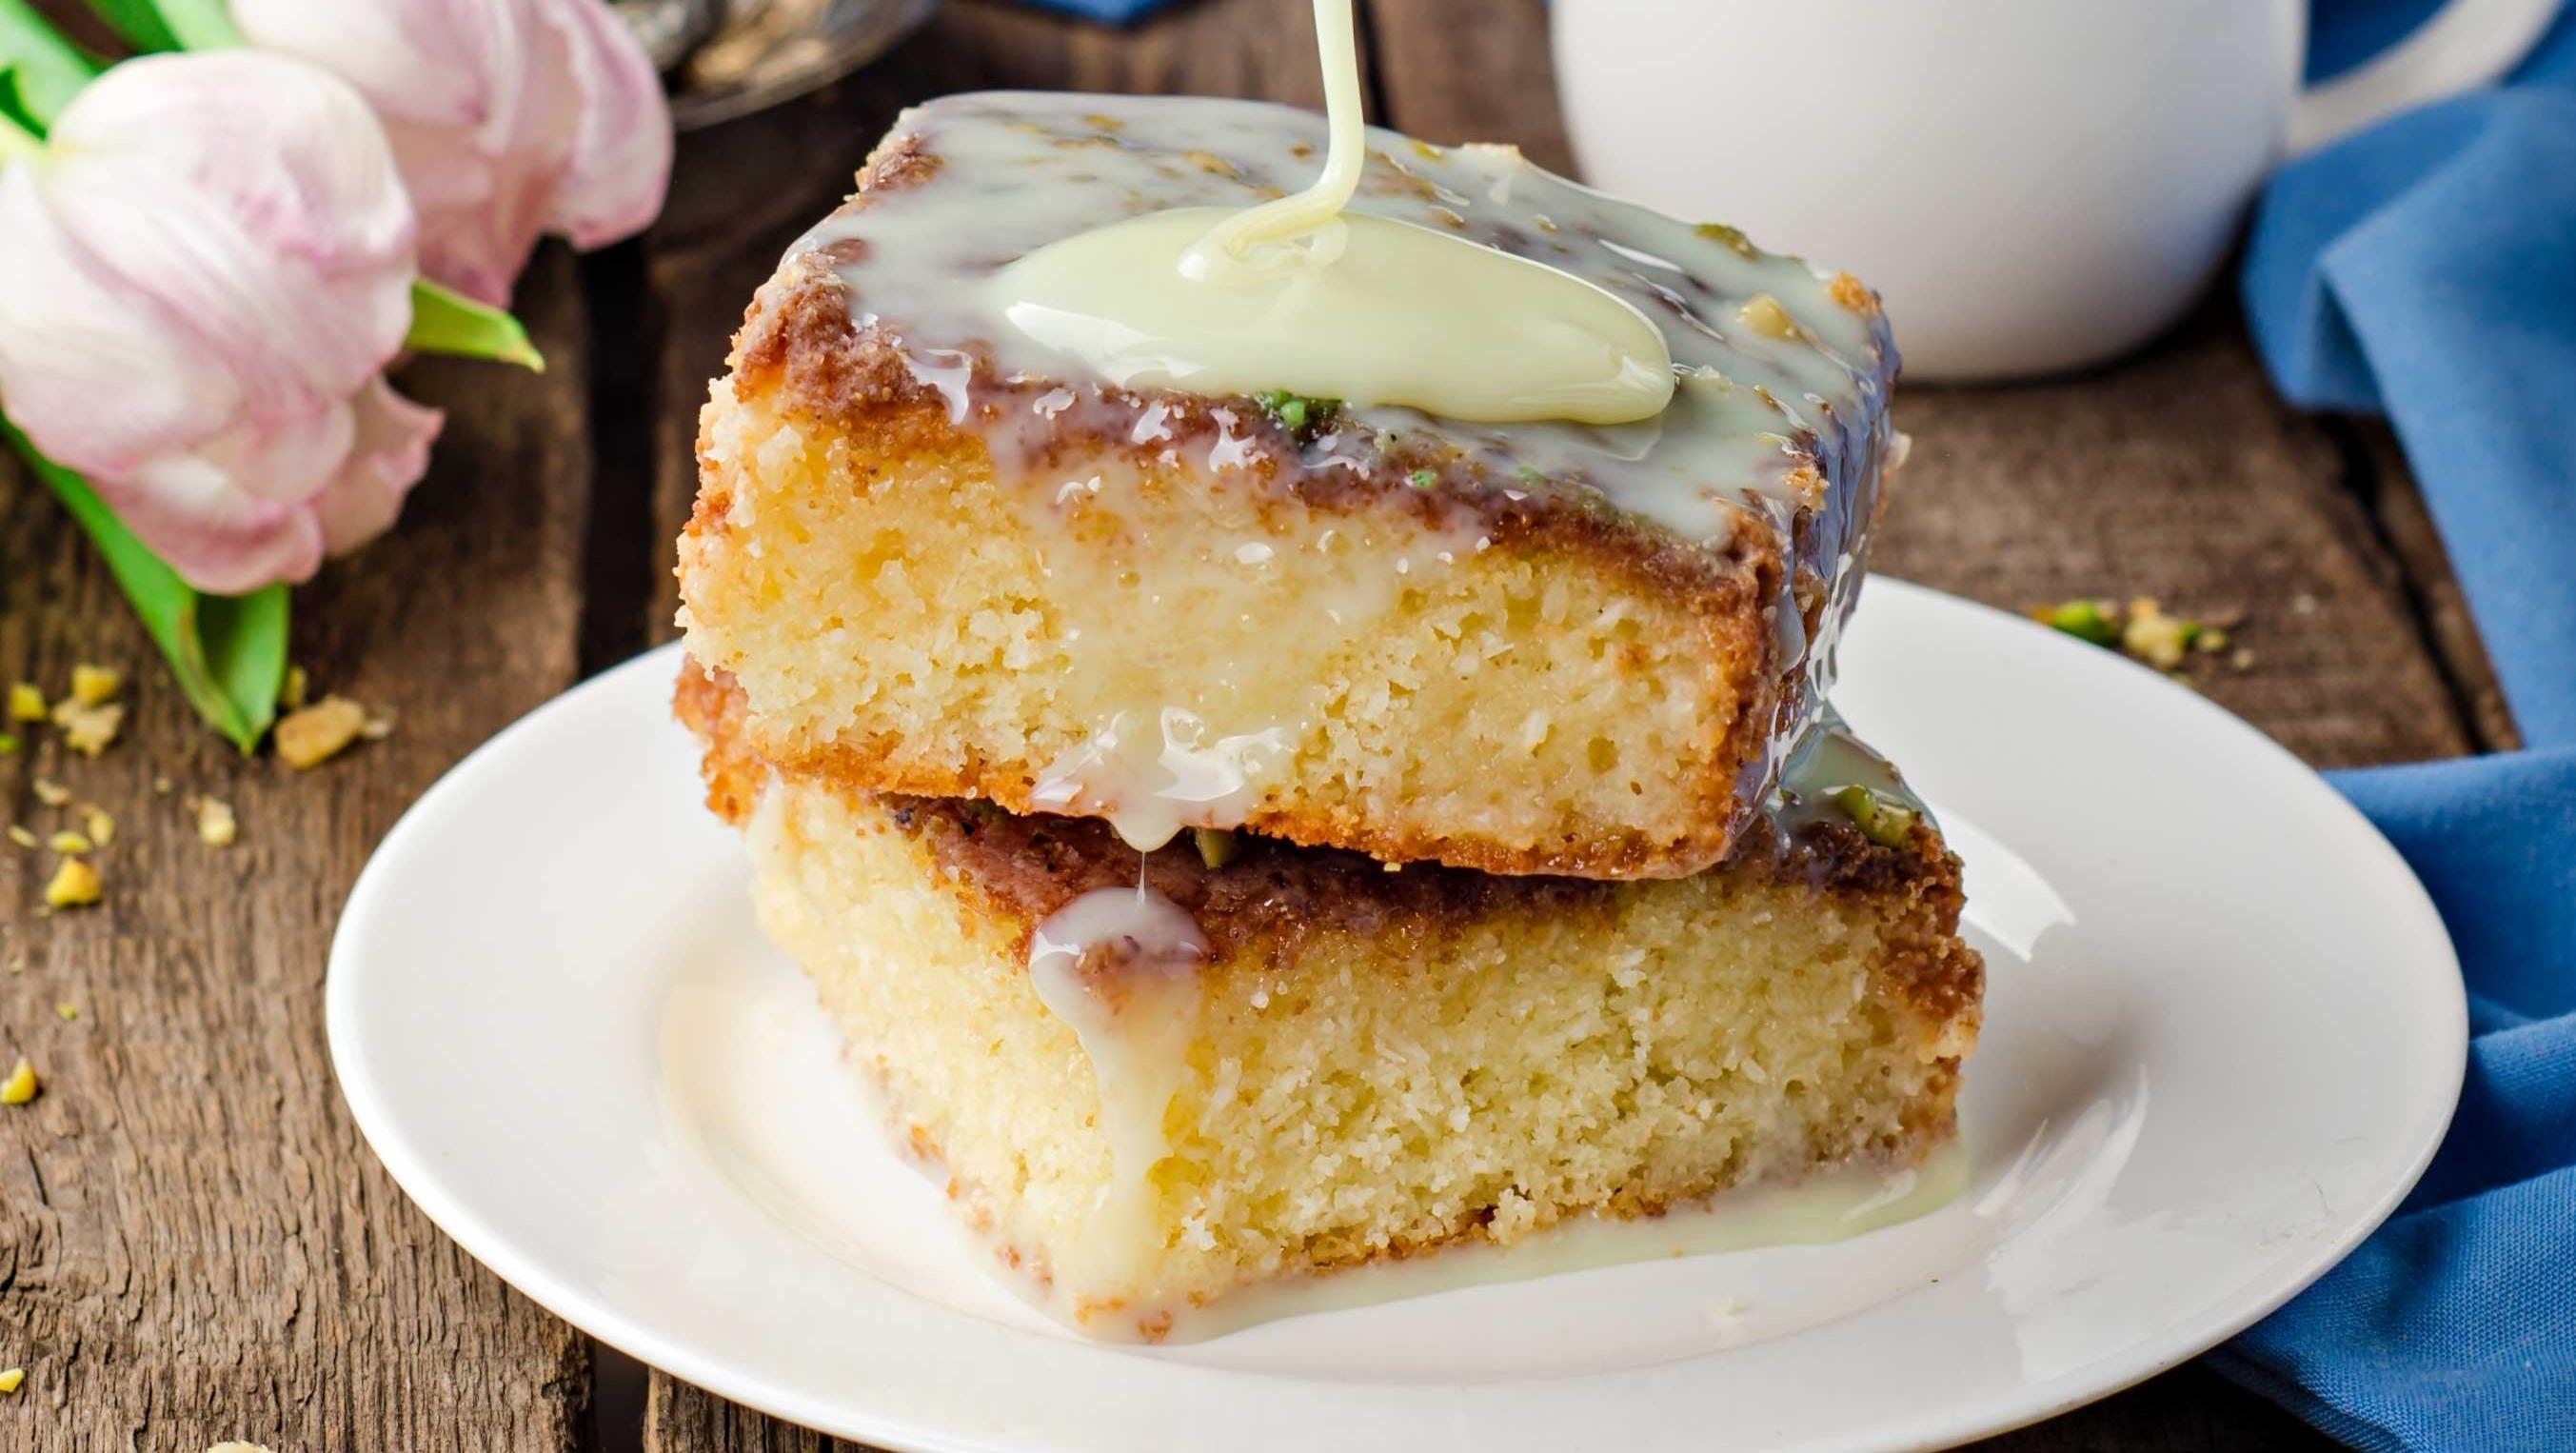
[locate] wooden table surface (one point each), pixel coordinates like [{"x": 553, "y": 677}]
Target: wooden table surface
[{"x": 196, "y": 1246}]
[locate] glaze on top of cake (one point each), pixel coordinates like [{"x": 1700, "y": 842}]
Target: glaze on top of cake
[{"x": 1771, "y": 451}]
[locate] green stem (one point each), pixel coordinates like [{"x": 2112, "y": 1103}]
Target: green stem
[
  {"x": 201, "y": 24},
  {"x": 48, "y": 68},
  {"x": 228, "y": 652}
]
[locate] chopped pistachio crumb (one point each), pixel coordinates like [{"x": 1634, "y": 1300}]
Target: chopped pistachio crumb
[
  {"x": 75, "y": 885},
  {"x": 66, "y": 1011},
  {"x": 1297, "y": 413},
  {"x": 88, "y": 728},
  {"x": 26, "y": 703},
  {"x": 215, "y": 825},
  {"x": 2086, "y": 620},
  {"x": 8, "y": 744},
  {"x": 315, "y": 735},
  {"x": 1216, "y": 845},
  {"x": 1530, "y": 475},
  {"x": 96, "y": 685},
  {"x": 68, "y": 842},
  {"x": 2154, "y": 637},
  {"x": 1885, "y": 823},
  {"x": 100, "y": 827},
  {"x": 1731, "y": 238},
  {"x": 290, "y": 692},
  {"x": 50, "y": 792},
  {"x": 22, "y": 836},
  {"x": 18, "y": 1089},
  {"x": 1422, "y": 479}
]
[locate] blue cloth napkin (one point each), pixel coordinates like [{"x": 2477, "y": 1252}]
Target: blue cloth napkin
[{"x": 2426, "y": 268}]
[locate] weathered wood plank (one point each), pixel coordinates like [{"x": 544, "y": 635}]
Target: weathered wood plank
[
  {"x": 2178, "y": 475},
  {"x": 2387, "y": 485},
  {"x": 194, "y": 1243}
]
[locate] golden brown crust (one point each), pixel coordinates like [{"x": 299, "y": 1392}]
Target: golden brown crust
[{"x": 1272, "y": 895}]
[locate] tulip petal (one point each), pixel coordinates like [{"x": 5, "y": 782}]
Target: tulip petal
[
  {"x": 210, "y": 265},
  {"x": 620, "y": 169},
  {"x": 508, "y": 118}
]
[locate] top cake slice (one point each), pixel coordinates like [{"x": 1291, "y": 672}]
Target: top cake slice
[{"x": 943, "y": 560}]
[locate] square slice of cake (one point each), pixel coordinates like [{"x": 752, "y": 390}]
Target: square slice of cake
[
  {"x": 944, "y": 561},
  {"x": 1154, "y": 1082}
]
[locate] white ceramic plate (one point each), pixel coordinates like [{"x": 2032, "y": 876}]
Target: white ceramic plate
[{"x": 2224, "y": 1033}]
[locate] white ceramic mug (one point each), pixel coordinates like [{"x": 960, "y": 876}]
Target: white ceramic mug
[{"x": 2034, "y": 185}]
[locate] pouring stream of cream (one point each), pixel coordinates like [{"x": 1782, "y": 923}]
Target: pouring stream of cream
[{"x": 1305, "y": 295}]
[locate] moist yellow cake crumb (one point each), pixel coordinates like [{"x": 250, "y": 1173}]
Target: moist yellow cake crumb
[
  {"x": 50, "y": 792},
  {"x": 68, "y": 843},
  {"x": 21, "y": 1086},
  {"x": 26, "y": 702},
  {"x": 23, "y": 836},
  {"x": 100, "y": 828}
]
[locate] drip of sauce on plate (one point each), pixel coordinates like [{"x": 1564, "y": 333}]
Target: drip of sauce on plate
[{"x": 1300, "y": 294}]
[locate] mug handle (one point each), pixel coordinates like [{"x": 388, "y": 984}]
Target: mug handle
[{"x": 2466, "y": 43}]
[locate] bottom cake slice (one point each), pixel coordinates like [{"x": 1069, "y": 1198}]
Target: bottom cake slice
[{"x": 1153, "y": 1081}]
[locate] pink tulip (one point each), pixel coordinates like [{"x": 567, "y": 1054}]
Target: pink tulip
[
  {"x": 510, "y": 119},
  {"x": 208, "y": 266}
]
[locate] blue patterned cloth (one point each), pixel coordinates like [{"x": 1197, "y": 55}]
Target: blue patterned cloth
[{"x": 2426, "y": 269}]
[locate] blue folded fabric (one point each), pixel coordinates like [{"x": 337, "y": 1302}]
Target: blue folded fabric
[{"x": 2426, "y": 268}]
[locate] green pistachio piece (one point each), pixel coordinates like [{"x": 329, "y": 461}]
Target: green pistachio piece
[
  {"x": 1885, "y": 823},
  {"x": 1216, "y": 846},
  {"x": 2086, "y": 620}
]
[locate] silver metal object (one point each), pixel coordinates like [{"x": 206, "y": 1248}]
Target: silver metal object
[{"x": 727, "y": 58}]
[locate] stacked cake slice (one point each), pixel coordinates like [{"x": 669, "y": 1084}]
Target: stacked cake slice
[{"x": 1250, "y": 836}]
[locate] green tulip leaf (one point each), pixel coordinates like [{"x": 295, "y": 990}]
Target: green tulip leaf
[
  {"x": 228, "y": 652},
  {"x": 446, "y": 321},
  {"x": 45, "y": 69}
]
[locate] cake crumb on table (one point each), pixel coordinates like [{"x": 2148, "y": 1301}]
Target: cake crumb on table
[
  {"x": 96, "y": 685},
  {"x": 27, "y": 702},
  {"x": 68, "y": 843},
  {"x": 97, "y": 825},
  {"x": 216, "y": 827},
  {"x": 75, "y": 885},
  {"x": 22, "y": 836},
  {"x": 67, "y": 1011},
  {"x": 50, "y": 792},
  {"x": 89, "y": 728},
  {"x": 20, "y": 1087},
  {"x": 319, "y": 732}
]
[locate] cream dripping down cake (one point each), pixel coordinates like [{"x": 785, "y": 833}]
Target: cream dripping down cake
[{"x": 1286, "y": 754}]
